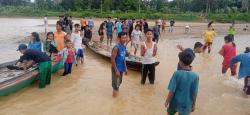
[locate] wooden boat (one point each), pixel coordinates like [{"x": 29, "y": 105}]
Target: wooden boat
[
  {"x": 13, "y": 80},
  {"x": 133, "y": 62}
]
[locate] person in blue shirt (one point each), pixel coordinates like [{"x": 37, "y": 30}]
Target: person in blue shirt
[
  {"x": 198, "y": 48},
  {"x": 118, "y": 26},
  {"x": 183, "y": 87},
  {"x": 35, "y": 42},
  {"x": 244, "y": 71},
  {"x": 118, "y": 62},
  {"x": 109, "y": 28},
  {"x": 91, "y": 23}
]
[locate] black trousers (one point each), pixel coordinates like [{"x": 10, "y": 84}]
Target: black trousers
[
  {"x": 246, "y": 88},
  {"x": 148, "y": 70}
]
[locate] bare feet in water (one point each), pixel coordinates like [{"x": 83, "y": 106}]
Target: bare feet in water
[{"x": 115, "y": 93}]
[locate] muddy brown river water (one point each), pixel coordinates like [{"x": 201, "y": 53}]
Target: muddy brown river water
[{"x": 88, "y": 91}]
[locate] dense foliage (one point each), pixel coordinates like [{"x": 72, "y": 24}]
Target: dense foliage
[{"x": 221, "y": 10}]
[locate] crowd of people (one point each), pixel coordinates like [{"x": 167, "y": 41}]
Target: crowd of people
[{"x": 183, "y": 86}]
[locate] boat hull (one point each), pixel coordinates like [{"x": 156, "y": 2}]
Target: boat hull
[
  {"x": 22, "y": 80},
  {"x": 131, "y": 64}
]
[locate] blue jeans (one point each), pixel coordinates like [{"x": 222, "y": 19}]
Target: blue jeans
[{"x": 67, "y": 68}]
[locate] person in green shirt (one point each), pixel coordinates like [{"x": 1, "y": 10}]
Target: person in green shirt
[{"x": 232, "y": 31}]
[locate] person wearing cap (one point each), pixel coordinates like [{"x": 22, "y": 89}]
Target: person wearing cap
[
  {"x": 244, "y": 71},
  {"x": 31, "y": 56}
]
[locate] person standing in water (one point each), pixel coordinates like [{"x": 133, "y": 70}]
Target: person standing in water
[
  {"x": 84, "y": 23},
  {"x": 148, "y": 52},
  {"x": 232, "y": 31},
  {"x": 209, "y": 36},
  {"x": 183, "y": 87},
  {"x": 163, "y": 28},
  {"x": 60, "y": 36},
  {"x": 71, "y": 23},
  {"x": 118, "y": 26},
  {"x": 244, "y": 71},
  {"x": 91, "y": 23},
  {"x": 76, "y": 38},
  {"x": 145, "y": 25},
  {"x": 118, "y": 62},
  {"x": 101, "y": 32},
  {"x": 171, "y": 27},
  {"x": 109, "y": 29},
  {"x": 156, "y": 30},
  {"x": 228, "y": 51},
  {"x": 87, "y": 35},
  {"x": 136, "y": 38},
  {"x": 69, "y": 57},
  {"x": 45, "y": 20}
]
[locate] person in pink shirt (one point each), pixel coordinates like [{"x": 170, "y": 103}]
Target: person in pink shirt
[{"x": 228, "y": 51}]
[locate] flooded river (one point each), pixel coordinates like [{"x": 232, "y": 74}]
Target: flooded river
[{"x": 88, "y": 91}]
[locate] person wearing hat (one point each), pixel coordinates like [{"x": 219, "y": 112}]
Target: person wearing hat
[
  {"x": 30, "y": 57},
  {"x": 244, "y": 71}
]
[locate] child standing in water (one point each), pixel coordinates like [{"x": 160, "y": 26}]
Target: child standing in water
[
  {"x": 69, "y": 57},
  {"x": 244, "y": 71},
  {"x": 136, "y": 37},
  {"x": 50, "y": 44},
  {"x": 76, "y": 38},
  {"x": 148, "y": 51},
  {"x": 183, "y": 87},
  {"x": 208, "y": 36},
  {"x": 228, "y": 51},
  {"x": 118, "y": 62},
  {"x": 101, "y": 32}
]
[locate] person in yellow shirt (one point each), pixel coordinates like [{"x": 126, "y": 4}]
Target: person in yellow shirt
[
  {"x": 84, "y": 23},
  {"x": 208, "y": 37},
  {"x": 59, "y": 36}
]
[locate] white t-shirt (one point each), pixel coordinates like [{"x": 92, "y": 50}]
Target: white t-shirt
[
  {"x": 45, "y": 20},
  {"x": 136, "y": 35},
  {"x": 76, "y": 40}
]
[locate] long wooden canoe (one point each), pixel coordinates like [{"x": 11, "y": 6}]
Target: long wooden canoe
[
  {"x": 133, "y": 62},
  {"x": 13, "y": 80}
]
